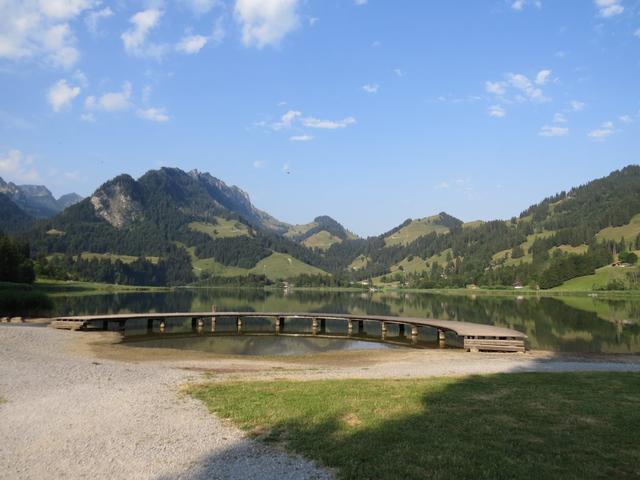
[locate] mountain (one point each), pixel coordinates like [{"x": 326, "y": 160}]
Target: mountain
[
  {"x": 12, "y": 217},
  {"x": 37, "y": 200},
  {"x": 322, "y": 233},
  {"x": 190, "y": 217},
  {"x": 191, "y": 225}
]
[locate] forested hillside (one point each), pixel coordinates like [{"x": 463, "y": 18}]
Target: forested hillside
[{"x": 174, "y": 227}]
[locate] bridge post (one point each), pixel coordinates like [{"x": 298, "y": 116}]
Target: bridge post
[
  {"x": 414, "y": 334},
  {"x": 349, "y": 327},
  {"x": 163, "y": 325},
  {"x": 279, "y": 324},
  {"x": 238, "y": 325},
  {"x": 360, "y": 326},
  {"x": 383, "y": 330},
  {"x": 314, "y": 326},
  {"x": 441, "y": 338},
  {"x": 213, "y": 319},
  {"x": 200, "y": 325}
]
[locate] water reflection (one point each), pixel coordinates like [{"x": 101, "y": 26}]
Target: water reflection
[
  {"x": 258, "y": 345},
  {"x": 570, "y": 324}
]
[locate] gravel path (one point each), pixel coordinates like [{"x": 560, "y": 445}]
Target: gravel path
[{"x": 68, "y": 416}]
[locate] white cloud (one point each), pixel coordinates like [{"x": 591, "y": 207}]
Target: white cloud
[
  {"x": 192, "y": 44},
  {"x": 259, "y": 164},
  {"x": 61, "y": 95},
  {"x": 219, "y": 32},
  {"x": 200, "y": 7},
  {"x": 542, "y": 77},
  {"x": 266, "y": 22},
  {"x": 15, "y": 166},
  {"x": 522, "y": 83},
  {"x": 497, "y": 88},
  {"x": 93, "y": 18},
  {"x": 553, "y": 131},
  {"x": 497, "y": 111},
  {"x": 135, "y": 39},
  {"x": 370, "y": 88},
  {"x": 40, "y": 29},
  {"x": 287, "y": 119},
  {"x": 111, "y": 101},
  {"x": 359, "y": 3},
  {"x": 600, "y": 134},
  {"x": 625, "y": 118},
  {"x": 398, "y": 72},
  {"x": 637, "y": 33},
  {"x": 312, "y": 122},
  {"x": 518, "y": 5},
  {"x": 577, "y": 106},
  {"x": 65, "y": 9},
  {"x": 88, "y": 117},
  {"x": 301, "y": 138},
  {"x": 559, "y": 118},
  {"x": 153, "y": 114},
  {"x": 609, "y": 8}
]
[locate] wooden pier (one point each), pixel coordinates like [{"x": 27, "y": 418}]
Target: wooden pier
[{"x": 476, "y": 337}]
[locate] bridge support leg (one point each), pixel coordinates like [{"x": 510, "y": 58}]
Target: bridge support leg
[
  {"x": 163, "y": 325},
  {"x": 401, "y": 330},
  {"x": 441, "y": 338},
  {"x": 238, "y": 325},
  {"x": 360, "y": 326},
  {"x": 349, "y": 327},
  {"x": 383, "y": 330},
  {"x": 200, "y": 325},
  {"x": 213, "y": 319},
  {"x": 414, "y": 334},
  {"x": 279, "y": 324},
  {"x": 314, "y": 326}
]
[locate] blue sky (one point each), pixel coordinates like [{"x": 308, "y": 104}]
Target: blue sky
[{"x": 368, "y": 111}]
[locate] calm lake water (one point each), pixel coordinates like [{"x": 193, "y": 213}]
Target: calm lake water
[{"x": 567, "y": 324}]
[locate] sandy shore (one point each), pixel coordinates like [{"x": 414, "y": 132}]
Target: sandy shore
[{"x": 79, "y": 405}]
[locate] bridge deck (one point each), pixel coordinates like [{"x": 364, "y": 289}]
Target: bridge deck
[{"x": 462, "y": 329}]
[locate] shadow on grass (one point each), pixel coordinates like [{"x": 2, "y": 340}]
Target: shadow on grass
[{"x": 518, "y": 425}]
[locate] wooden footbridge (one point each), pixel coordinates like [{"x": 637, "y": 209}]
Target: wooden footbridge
[{"x": 476, "y": 337}]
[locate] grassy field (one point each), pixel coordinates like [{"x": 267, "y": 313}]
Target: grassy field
[
  {"x": 222, "y": 229},
  {"x": 322, "y": 240},
  {"x": 528, "y": 425},
  {"x": 628, "y": 232},
  {"x": 601, "y": 278},
  {"x": 416, "y": 229},
  {"x": 359, "y": 263},
  {"x": 504, "y": 257},
  {"x": 278, "y": 266}
]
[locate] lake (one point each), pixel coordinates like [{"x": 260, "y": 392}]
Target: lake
[{"x": 563, "y": 324}]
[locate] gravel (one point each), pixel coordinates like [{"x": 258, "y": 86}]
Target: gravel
[{"x": 64, "y": 415}]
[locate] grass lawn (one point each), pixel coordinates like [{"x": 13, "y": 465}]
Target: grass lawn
[{"x": 527, "y": 425}]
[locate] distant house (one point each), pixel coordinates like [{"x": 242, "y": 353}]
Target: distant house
[
  {"x": 518, "y": 285},
  {"x": 472, "y": 286},
  {"x": 620, "y": 264}
]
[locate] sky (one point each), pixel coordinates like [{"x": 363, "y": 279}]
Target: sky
[{"x": 370, "y": 111}]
